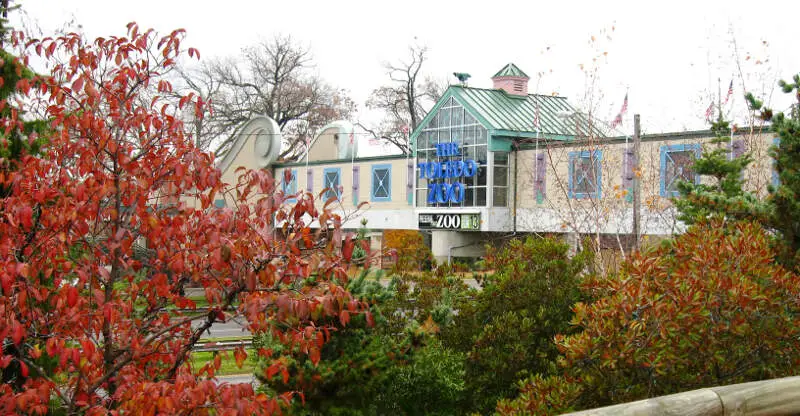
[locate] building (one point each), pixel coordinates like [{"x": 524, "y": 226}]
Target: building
[{"x": 488, "y": 164}]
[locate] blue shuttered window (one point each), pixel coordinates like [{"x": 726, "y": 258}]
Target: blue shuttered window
[
  {"x": 290, "y": 188},
  {"x": 585, "y": 174},
  {"x": 381, "y": 190},
  {"x": 332, "y": 183},
  {"x": 677, "y": 164}
]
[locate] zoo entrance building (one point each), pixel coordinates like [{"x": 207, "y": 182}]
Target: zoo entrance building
[{"x": 491, "y": 164}]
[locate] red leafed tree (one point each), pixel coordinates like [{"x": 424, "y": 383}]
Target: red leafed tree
[{"x": 102, "y": 232}]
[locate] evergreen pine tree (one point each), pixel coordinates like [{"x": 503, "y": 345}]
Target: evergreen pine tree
[
  {"x": 785, "y": 197},
  {"x": 723, "y": 195}
]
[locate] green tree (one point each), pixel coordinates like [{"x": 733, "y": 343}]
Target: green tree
[
  {"x": 16, "y": 138},
  {"x": 507, "y": 330},
  {"x": 724, "y": 196},
  {"x": 785, "y": 197},
  {"x": 367, "y": 368},
  {"x": 711, "y": 308}
]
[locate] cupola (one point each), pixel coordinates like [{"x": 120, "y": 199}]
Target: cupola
[{"x": 511, "y": 80}]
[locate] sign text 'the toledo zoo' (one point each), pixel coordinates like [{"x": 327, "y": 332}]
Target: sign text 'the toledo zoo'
[{"x": 443, "y": 192}]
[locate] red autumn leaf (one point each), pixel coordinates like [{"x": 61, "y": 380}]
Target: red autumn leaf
[
  {"x": 239, "y": 354},
  {"x": 347, "y": 248},
  {"x": 23, "y": 368},
  {"x": 314, "y": 355},
  {"x": 17, "y": 333},
  {"x": 72, "y": 296},
  {"x": 344, "y": 317}
]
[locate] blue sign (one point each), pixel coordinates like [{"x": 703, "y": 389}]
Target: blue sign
[{"x": 443, "y": 192}]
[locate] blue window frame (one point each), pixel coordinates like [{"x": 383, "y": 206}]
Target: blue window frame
[
  {"x": 677, "y": 164},
  {"x": 290, "y": 188},
  {"x": 332, "y": 182},
  {"x": 585, "y": 174},
  {"x": 381, "y": 189}
]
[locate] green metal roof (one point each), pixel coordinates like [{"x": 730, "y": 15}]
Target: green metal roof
[
  {"x": 510, "y": 70},
  {"x": 514, "y": 116}
]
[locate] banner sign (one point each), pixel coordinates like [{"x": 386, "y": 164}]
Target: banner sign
[
  {"x": 442, "y": 192},
  {"x": 467, "y": 222}
]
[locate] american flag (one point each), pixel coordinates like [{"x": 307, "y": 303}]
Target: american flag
[
  {"x": 730, "y": 92},
  {"x": 405, "y": 129},
  {"x": 352, "y": 137},
  {"x": 618, "y": 119}
]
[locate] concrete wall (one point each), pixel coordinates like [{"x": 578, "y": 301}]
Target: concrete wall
[{"x": 457, "y": 244}]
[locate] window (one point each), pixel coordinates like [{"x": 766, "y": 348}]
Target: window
[
  {"x": 585, "y": 174},
  {"x": 500, "y": 180},
  {"x": 219, "y": 203},
  {"x": 381, "y": 183},
  {"x": 677, "y": 164},
  {"x": 331, "y": 182},
  {"x": 290, "y": 188},
  {"x": 452, "y": 123}
]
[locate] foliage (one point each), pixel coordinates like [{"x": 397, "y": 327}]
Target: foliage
[
  {"x": 339, "y": 375},
  {"x": 26, "y": 136},
  {"x": 427, "y": 300},
  {"x": 725, "y": 196},
  {"x": 273, "y": 77},
  {"x": 539, "y": 395},
  {"x": 432, "y": 383},
  {"x": 507, "y": 330},
  {"x": 785, "y": 197},
  {"x": 365, "y": 369},
  {"x": 101, "y": 234},
  {"x": 16, "y": 139},
  {"x": 711, "y": 308},
  {"x": 410, "y": 248}
]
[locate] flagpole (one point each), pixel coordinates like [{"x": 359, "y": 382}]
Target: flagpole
[
  {"x": 719, "y": 98},
  {"x": 407, "y": 133},
  {"x": 727, "y": 96},
  {"x": 352, "y": 147}
]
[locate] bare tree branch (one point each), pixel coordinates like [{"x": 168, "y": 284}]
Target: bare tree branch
[
  {"x": 272, "y": 78},
  {"x": 405, "y": 101}
]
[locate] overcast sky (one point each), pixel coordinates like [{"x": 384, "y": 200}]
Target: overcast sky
[{"x": 666, "y": 55}]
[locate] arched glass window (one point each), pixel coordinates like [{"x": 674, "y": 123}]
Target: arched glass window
[{"x": 452, "y": 124}]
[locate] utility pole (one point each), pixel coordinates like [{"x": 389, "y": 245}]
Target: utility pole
[{"x": 637, "y": 195}]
